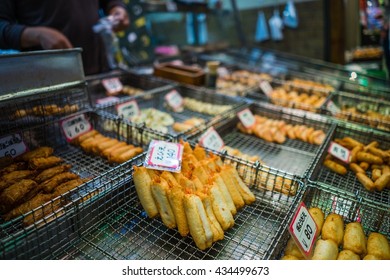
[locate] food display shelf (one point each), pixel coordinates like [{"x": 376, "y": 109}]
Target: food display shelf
[
  {"x": 349, "y": 183},
  {"x": 293, "y": 156},
  {"x": 352, "y": 209}
]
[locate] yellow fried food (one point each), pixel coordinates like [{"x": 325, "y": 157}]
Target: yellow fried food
[
  {"x": 334, "y": 166},
  {"x": 51, "y": 172},
  {"x": 68, "y": 186},
  {"x": 44, "y": 163},
  {"x": 16, "y": 194},
  {"x": 293, "y": 250},
  {"x": 347, "y": 255},
  {"x": 325, "y": 250},
  {"x": 41, "y": 152},
  {"x": 378, "y": 246},
  {"x": 318, "y": 217},
  {"x": 366, "y": 181},
  {"x": 333, "y": 228},
  {"x": 49, "y": 185},
  {"x": 143, "y": 182},
  {"x": 159, "y": 188},
  {"x": 355, "y": 239},
  {"x": 220, "y": 209}
]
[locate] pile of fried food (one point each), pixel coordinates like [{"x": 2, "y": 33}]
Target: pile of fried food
[
  {"x": 204, "y": 107},
  {"x": 364, "y": 158},
  {"x": 237, "y": 153},
  {"x": 128, "y": 90},
  {"x": 33, "y": 179},
  {"x": 154, "y": 119},
  {"x": 278, "y": 131},
  {"x": 201, "y": 200},
  {"x": 113, "y": 150},
  {"x": 187, "y": 124},
  {"x": 336, "y": 242},
  {"x": 302, "y": 83},
  {"x": 46, "y": 110}
]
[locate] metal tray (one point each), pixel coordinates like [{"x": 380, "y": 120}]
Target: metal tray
[
  {"x": 372, "y": 218},
  {"x": 294, "y": 156},
  {"x": 349, "y": 183},
  {"x": 116, "y": 227},
  {"x": 362, "y": 103}
]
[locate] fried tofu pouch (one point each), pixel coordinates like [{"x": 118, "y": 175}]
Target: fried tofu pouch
[
  {"x": 333, "y": 229},
  {"x": 378, "y": 246},
  {"x": 347, "y": 255},
  {"x": 143, "y": 183},
  {"x": 160, "y": 188},
  {"x": 220, "y": 209},
  {"x": 325, "y": 250},
  {"x": 355, "y": 239}
]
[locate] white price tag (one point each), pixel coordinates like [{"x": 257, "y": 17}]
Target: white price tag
[
  {"x": 128, "y": 110},
  {"x": 164, "y": 155},
  {"x": 75, "y": 126},
  {"x": 304, "y": 230},
  {"x": 171, "y": 6},
  {"x": 107, "y": 100},
  {"x": 174, "y": 100},
  {"x": 247, "y": 118},
  {"x": 222, "y": 71},
  {"x": 112, "y": 85},
  {"x": 266, "y": 87},
  {"x": 12, "y": 145},
  {"x": 339, "y": 152},
  {"x": 211, "y": 140},
  {"x": 333, "y": 108}
]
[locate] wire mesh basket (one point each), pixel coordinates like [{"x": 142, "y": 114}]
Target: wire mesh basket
[
  {"x": 115, "y": 226},
  {"x": 371, "y": 110},
  {"x": 352, "y": 209},
  {"x": 156, "y": 100},
  {"x": 293, "y": 156},
  {"x": 349, "y": 183},
  {"x": 99, "y": 174}
]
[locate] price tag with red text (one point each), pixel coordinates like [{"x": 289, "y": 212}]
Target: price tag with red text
[
  {"x": 174, "y": 100},
  {"x": 128, "y": 110},
  {"x": 333, "y": 108},
  {"x": 247, "y": 118},
  {"x": 164, "y": 155},
  {"x": 75, "y": 126},
  {"x": 211, "y": 140},
  {"x": 339, "y": 152},
  {"x": 112, "y": 85},
  {"x": 12, "y": 145},
  {"x": 304, "y": 230},
  {"x": 266, "y": 87}
]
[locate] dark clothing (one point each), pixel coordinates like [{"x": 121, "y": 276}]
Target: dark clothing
[{"x": 74, "y": 18}]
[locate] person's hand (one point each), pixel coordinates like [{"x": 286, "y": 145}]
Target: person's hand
[
  {"x": 120, "y": 17},
  {"x": 45, "y": 37}
]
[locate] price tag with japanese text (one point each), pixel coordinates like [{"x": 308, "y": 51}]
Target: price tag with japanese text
[
  {"x": 266, "y": 88},
  {"x": 339, "y": 152},
  {"x": 247, "y": 118},
  {"x": 164, "y": 155},
  {"x": 128, "y": 110},
  {"x": 12, "y": 145},
  {"x": 333, "y": 108},
  {"x": 107, "y": 100},
  {"x": 211, "y": 140},
  {"x": 304, "y": 230},
  {"x": 174, "y": 100},
  {"x": 112, "y": 85},
  {"x": 75, "y": 126}
]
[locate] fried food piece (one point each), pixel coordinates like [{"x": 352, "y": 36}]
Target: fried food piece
[
  {"x": 143, "y": 182},
  {"x": 325, "y": 250},
  {"x": 159, "y": 188},
  {"x": 49, "y": 185},
  {"x": 44, "y": 163},
  {"x": 51, "y": 172},
  {"x": 245, "y": 192},
  {"x": 378, "y": 246},
  {"x": 318, "y": 217},
  {"x": 127, "y": 155},
  {"x": 41, "y": 152},
  {"x": 225, "y": 192},
  {"x": 364, "y": 165},
  {"x": 218, "y": 233},
  {"x": 293, "y": 250},
  {"x": 365, "y": 181},
  {"x": 356, "y": 168},
  {"x": 109, "y": 150},
  {"x": 335, "y": 167},
  {"x": 355, "y": 239},
  {"x": 333, "y": 229},
  {"x": 382, "y": 182},
  {"x": 354, "y": 152},
  {"x": 220, "y": 209},
  {"x": 234, "y": 192},
  {"x": 13, "y": 167},
  {"x": 85, "y": 136},
  {"x": 17, "y": 193},
  {"x": 347, "y": 255},
  {"x": 104, "y": 145},
  {"x": 371, "y": 258},
  {"x": 376, "y": 173},
  {"x": 68, "y": 186},
  {"x": 200, "y": 152},
  {"x": 369, "y": 158},
  {"x": 15, "y": 176},
  {"x": 378, "y": 152},
  {"x": 352, "y": 142}
]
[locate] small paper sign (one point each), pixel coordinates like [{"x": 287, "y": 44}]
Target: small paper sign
[
  {"x": 164, "y": 155},
  {"x": 174, "y": 100},
  {"x": 211, "y": 140},
  {"x": 333, "y": 108},
  {"x": 112, "y": 85},
  {"x": 12, "y": 145},
  {"x": 128, "y": 110},
  {"x": 304, "y": 230},
  {"x": 75, "y": 126},
  {"x": 107, "y": 100},
  {"x": 266, "y": 88},
  {"x": 339, "y": 152},
  {"x": 247, "y": 118}
]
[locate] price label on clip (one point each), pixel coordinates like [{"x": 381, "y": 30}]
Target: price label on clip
[
  {"x": 247, "y": 118},
  {"x": 339, "y": 152},
  {"x": 128, "y": 110},
  {"x": 211, "y": 140},
  {"x": 164, "y": 155},
  {"x": 75, "y": 126},
  {"x": 12, "y": 145},
  {"x": 112, "y": 85},
  {"x": 266, "y": 88},
  {"x": 304, "y": 230},
  {"x": 174, "y": 100}
]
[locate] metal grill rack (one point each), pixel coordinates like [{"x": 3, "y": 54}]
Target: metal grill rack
[
  {"x": 156, "y": 99},
  {"x": 373, "y": 103},
  {"x": 115, "y": 226},
  {"x": 348, "y": 183},
  {"x": 294, "y": 156},
  {"x": 372, "y": 218}
]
